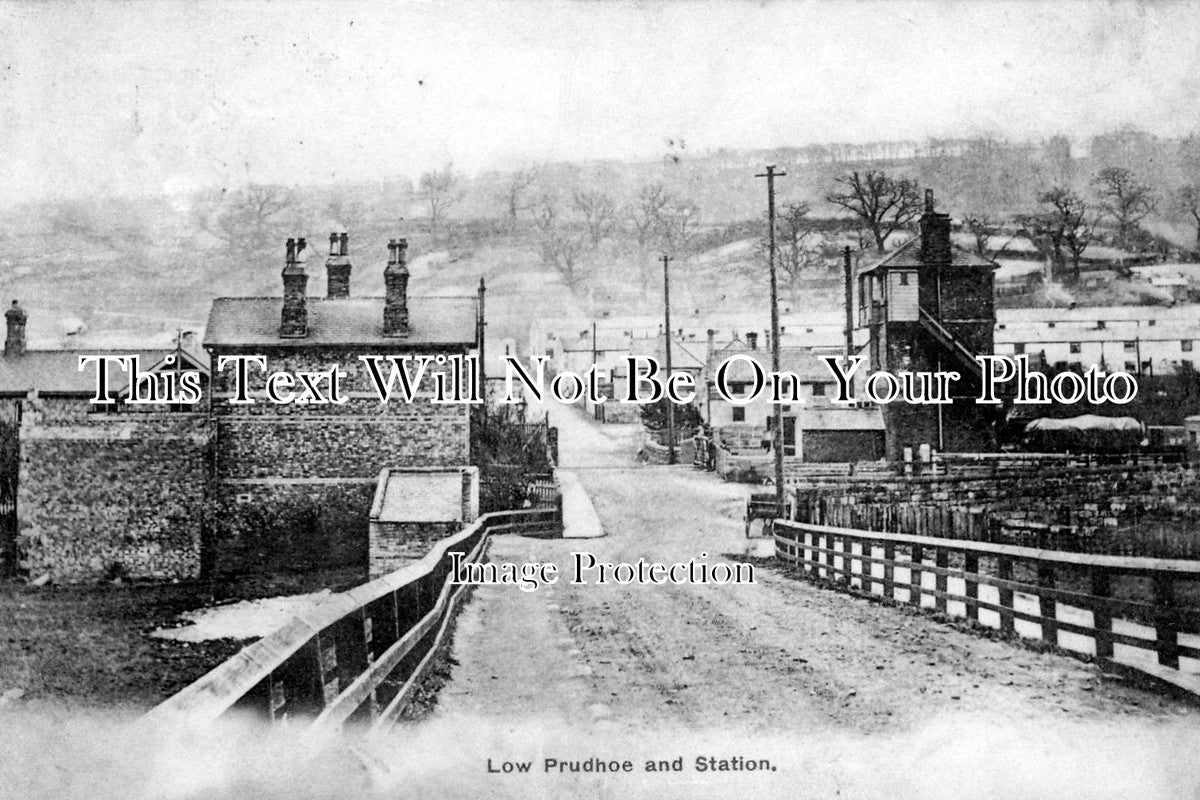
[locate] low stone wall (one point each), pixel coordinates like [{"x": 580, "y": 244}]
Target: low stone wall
[
  {"x": 113, "y": 496},
  {"x": 656, "y": 453}
]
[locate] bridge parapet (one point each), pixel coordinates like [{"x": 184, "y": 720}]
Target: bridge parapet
[
  {"x": 359, "y": 656},
  {"x": 1086, "y": 604}
]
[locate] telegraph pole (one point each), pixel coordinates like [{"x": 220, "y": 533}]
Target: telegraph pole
[
  {"x": 777, "y": 437},
  {"x": 666, "y": 259},
  {"x": 848, "y": 275}
]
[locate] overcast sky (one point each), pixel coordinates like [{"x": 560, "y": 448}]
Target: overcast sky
[{"x": 139, "y": 97}]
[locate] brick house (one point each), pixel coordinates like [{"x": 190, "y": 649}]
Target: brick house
[{"x": 292, "y": 485}]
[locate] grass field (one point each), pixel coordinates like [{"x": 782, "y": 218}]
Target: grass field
[{"x": 90, "y": 646}]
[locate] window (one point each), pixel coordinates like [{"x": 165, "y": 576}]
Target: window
[
  {"x": 1100, "y": 325},
  {"x": 739, "y": 414},
  {"x": 818, "y": 390},
  {"x": 904, "y": 279},
  {"x": 1075, "y": 348},
  {"x": 1130, "y": 366},
  {"x": 1018, "y": 348},
  {"x": 1050, "y": 324},
  {"x": 738, "y": 387},
  {"x": 1150, "y": 324},
  {"x": 786, "y": 409},
  {"x": 1186, "y": 345},
  {"x": 1130, "y": 346}
]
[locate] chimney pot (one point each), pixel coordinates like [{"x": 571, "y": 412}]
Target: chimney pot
[
  {"x": 14, "y": 343},
  {"x": 337, "y": 266},
  {"x": 294, "y": 318},
  {"x": 935, "y": 235},
  {"x": 395, "y": 279}
]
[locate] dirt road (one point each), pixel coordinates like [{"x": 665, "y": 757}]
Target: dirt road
[{"x": 773, "y": 661}]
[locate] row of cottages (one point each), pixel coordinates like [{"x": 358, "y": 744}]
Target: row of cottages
[{"x": 180, "y": 491}]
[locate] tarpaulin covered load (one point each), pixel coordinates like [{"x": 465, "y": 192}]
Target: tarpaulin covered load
[{"x": 1089, "y": 433}]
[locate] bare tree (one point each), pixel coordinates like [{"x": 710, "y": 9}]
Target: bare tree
[
  {"x": 798, "y": 244},
  {"x": 884, "y": 204},
  {"x": 599, "y": 212},
  {"x": 560, "y": 247},
  {"x": 515, "y": 196},
  {"x": 1187, "y": 202},
  {"x": 1068, "y": 224},
  {"x": 442, "y": 190},
  {"x": 645, "y": 215},
  {"x": 981, "y": 227},
  {"x": 677, "y": 225},
  {"x": 1126, "y": 199},
  {"x": 247, "y": 220}
]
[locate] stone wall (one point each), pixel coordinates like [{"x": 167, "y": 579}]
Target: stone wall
[
  {"x": 105, "y": 496},
  {"x": 293, "y": 484}
]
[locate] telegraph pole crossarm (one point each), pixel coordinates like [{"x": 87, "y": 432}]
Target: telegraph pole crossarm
[{"x": 777, "y": 434}]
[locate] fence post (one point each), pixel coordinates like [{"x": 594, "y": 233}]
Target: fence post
[
  {"x": 1101, "y": 614},
  {"x": 1168, "y": 637},
  {"x": 889, "y": 570},
  {"x": 915, "y": 559},
  {"x": 941, "y": 559},
  {"x": 1004, "y": 571},
  {"x": 971, "y": 568},
  {"x": 864, "y": 548},
  {"x": 1047, "y": 606}
]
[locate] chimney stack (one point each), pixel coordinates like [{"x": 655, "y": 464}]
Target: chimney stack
[
  {"x": 14, "y": 344},
  {"x": 337, "y": 266},
  {"x": 935, "y": 235},
  {"x": 752, "y": 340},
  {"x": 294, "y": 322},
  {"x": 395, "y": 279}
]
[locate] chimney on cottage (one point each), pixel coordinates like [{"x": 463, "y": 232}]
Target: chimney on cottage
[
  {"x": 395, "y": 280},
  {"x": 935, "y": 235},
  {"x": 294, "y": 321},
  {"x": 14, "y": 343},
  {"x": 337, "y": 266},
  {"x": 752, "y": 340}
]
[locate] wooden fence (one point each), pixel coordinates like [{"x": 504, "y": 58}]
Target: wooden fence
[
  {"x": 360, "y": 656},
  {"x": 1091, "y": 604}
]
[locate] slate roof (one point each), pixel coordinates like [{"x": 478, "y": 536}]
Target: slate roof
[
  {"x": 356, "y": 321},
  {"x": 805, "y": 362},
  {"x": 909, "y": 255},
  {"x": 57, "y": 371}
]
